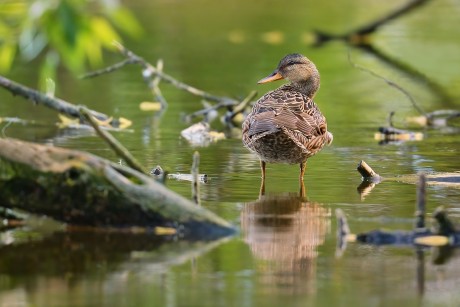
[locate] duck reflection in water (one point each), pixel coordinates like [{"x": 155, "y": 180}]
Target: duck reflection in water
[{"x": 284, "y": 232}]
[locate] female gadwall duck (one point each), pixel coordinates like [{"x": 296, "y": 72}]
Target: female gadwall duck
[{"x": 285, "y": 125}]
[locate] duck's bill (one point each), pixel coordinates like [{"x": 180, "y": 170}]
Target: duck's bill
[{"x": 273, "y": 77}]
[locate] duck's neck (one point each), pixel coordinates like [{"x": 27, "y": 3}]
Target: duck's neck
[{"x": 308, "y": 86}]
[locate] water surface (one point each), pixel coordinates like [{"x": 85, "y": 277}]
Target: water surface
[{"x": 285, "y": 252}]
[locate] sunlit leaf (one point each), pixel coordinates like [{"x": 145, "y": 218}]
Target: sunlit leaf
[
  {"x": 92, "y": 48},
  {"x": 150, "y": 106},
  {"x": 432, "y": 240},
  {"x": 13, "y": 9},
  {"x": 48, "y": 69},
  {"x": 165, "y": 231},
  {"x": 125, "y": 20},
  {"x": 67, "y": 121},
  {"x": 7, "y": 53},
  {"x": 104, "y": 32},
  {"x": 50, "y": 87},
  {"x": 124, "y": 123}
]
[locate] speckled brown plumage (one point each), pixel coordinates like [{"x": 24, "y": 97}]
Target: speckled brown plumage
[{"x": 285, "y": 125}]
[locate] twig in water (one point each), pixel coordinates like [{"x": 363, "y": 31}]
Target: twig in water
[
  {"x": 420, "y": 210},
  {"x": 108, "y": 69},
  {"x": 368, "y": 173},
  {"x": 195, "y": 182},
  {"x": 389, "y": 82},
  {"x": 119, "y": 149},
  {"x": 153, "y": 82}
]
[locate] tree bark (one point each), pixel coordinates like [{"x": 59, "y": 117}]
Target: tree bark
[{"x": 82, "y": 189}]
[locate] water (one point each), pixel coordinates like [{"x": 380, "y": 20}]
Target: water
[{"x": 285, "y": 252}]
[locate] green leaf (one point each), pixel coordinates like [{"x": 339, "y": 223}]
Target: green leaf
[
  {"x": 104, "y": 32},
  {"x": 125, "y": 21},
  {"x": 48, "y": 69},
  {"x": 7, "y": 54}
]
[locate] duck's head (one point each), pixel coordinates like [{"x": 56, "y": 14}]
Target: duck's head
[{"x": 299, "y": 70}]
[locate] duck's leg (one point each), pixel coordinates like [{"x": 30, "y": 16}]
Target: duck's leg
[
  {"x": 262, "y": 168},
  {"x": 262, "y": 183},
  {"x": 303, "y": 166}
]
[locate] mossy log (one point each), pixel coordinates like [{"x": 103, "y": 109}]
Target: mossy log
[{"x": 82, "y": 189}]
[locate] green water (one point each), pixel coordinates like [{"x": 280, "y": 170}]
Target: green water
[{"x": 285, "y": 253}]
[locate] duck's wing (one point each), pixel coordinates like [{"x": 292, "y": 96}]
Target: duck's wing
[{"x": 287, "y": 111}]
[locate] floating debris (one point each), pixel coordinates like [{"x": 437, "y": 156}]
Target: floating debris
[
  {"x": 159, "y": 173},
  {"x": 200, "y": 134},
  {"x": 391, "y": 134},
  {"x": 438, "y": 118},
  {"x": 444, "y": 233},
  {"x": 149, "y": 106},
  {"x": 108, "y": 124}
]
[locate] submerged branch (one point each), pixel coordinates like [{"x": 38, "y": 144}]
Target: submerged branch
[
  {"x": 195, "y": 173},
  {"x": 119, "y": 149},
  {"x": 421, "y": 203},
  {"x": 357, "y": 36},
  {"x": 389, "y": 82}
]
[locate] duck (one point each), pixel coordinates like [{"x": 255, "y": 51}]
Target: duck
[{"x": 285, "y": 125}]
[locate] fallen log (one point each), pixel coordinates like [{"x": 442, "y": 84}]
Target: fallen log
[{"x": 82, "y": 189}]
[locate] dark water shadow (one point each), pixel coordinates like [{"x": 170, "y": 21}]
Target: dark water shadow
[
  {"x": 284, "y": 232},
  {"x": 79, "y": 254}
]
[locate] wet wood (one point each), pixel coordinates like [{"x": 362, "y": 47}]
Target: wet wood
[
  {"x": 195, "y": 183},
  {"x": 445, "y": 226},
  {"x": 451, "y": 179},
  {"x": 81, "y": 189},
  {"x": 421, "y": 200},
  {"x": 368, "y": 173},
  {"x": 119, "y": 149},
  {"x": 161, "y": 175},
  {"x": 438, "y": 118},
  {"x": 391, "y": 134}
]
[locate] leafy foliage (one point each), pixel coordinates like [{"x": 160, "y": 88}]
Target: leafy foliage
[{"x": 69, "y": 32}]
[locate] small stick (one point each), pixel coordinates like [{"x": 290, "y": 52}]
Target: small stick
[
  {"x": 119, "y": 149},
  {"x": 241, "y": 106},
  {"x": 209, "y": 109},
  {"x": 421, "y": 203},
  {"x": 165, "y": 77},
  {"x": 389, "y": 82},
  {"x": 195, "y": 182},
  {"x": 368, "y": 173},
  {"x": 109, "y": 69},
  {"x": 154, "y": 83}
]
